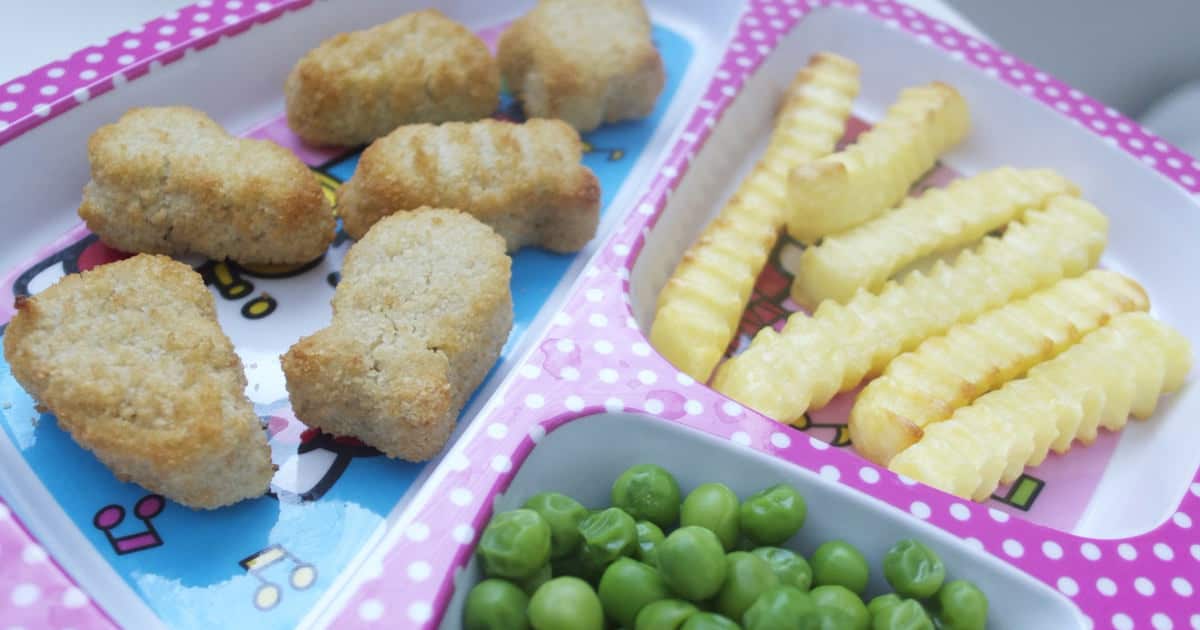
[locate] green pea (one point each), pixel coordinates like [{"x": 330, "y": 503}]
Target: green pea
[
  {"x": 781, "y": 608},
  {"x": 790, "y": 566},
  {"x": 495, "y": 605},
  {"x": 709, "y": 621},
  {"x": 566, "y": 603},
  {"x": 961, "y": 605},
  {"x": 713, "y": 506},
  {"x": 665, "y": 614},
  {"x": 535, "y": 581},
  {"x": 906, "y": 615},
  {"x": 648, "y": 493},
  {"x": 913, "y": 569},
  {"x": 563, "y": 514},
  {"x": 747, "y": 577},
  {"x": 838, "y": 562},
  {"x": 591, "y": 565},
  {"x": 692, "y": 562},
  {"x": 829, "y": 619},
  {"x": 649, "y": 536},
  {"x": 627, "y": 586},
  {"x": 515, "y": 544},
  {"x": 772, "y": 515},
  {"x": 840, "y": 602},
  {"x": 608, "y": 535},
  {"x": 880, "y": 602}
]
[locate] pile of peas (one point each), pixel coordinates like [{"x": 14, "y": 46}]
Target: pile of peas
[{"x": 555, "y": 565}]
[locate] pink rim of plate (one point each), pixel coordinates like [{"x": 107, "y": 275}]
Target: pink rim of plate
[{"x": 593, "y": 358}]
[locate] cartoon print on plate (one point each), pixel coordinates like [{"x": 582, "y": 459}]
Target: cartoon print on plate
[
  {"x": 301, "y": 575},
  {"x": 111, "y": 516},
  {"x": 310, "y": 461},
  {"x": 83, "y": 255}
]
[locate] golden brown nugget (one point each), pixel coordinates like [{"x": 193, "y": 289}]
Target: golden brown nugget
[
  {"x": 131, "y": 359},
  {"x": 170, "y": 180},
  {"x": 525, "y": 181},
  {"x": 419, "y": 318},
  {"x": 421, "y": 67},
  {"x": 584, "y": 61}
]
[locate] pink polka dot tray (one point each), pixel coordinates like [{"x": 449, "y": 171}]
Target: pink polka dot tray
[{"x": 1101, "y": 536}]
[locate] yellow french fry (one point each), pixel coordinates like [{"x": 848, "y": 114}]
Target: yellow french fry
[
  {"x": 701, "y": 304},
  {"x": 840, "y": 191},
  {"x": 940, "y": 220},
  {"x": 1121, "y": 368},
  {"x": 784, "y": 374},
  {"x": 948, "y": 372}
]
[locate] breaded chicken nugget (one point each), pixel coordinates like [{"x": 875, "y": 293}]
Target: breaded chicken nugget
[
  {"x": 421, "y": 67},
  {"x": 525, "y": 181},
  {"x": 419, "y": 318},
  {"x": 585, "y": 61},
  {"x": 131, "y": 359},
  {"x": 169, "y": 180}
]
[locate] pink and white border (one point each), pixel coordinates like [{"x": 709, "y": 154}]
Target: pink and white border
[{"x": 594, "y": 358}]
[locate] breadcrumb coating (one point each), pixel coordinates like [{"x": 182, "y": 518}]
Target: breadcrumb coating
[
  {"x": 586, "y": 62},
  {"x": 131, "y": 359},
  {"x": 420, "y": 67},
  {"x": 419, "y": 317},
  {"x": 524, "y": 180},
  {"x": 170, "y": 180}
]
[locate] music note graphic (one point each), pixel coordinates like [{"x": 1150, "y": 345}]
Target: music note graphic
[
  {"x": 267, "y": 596},
  {"x": 110, "y": 516}
]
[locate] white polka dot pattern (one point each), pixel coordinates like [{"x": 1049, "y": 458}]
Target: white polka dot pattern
[
  {"x": 599, "y": 360},
  {"x": 34, "y": 593},
  {"x": 51, "y": 90}
]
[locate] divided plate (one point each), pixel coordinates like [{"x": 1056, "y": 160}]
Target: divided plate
[
  {"x": 272, "y": 561},
  {"x": 1124, "y": 555}
]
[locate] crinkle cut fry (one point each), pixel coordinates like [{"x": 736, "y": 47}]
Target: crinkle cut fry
[
  {"x": 701, "y": 304},
  {"x": 945, "y": 373},
  {"x": 1119, "y": 369},
  {"x": 784, "y": 374},
  {"x": 840, "y": 191},
  {"x": 940, "y": 220}
]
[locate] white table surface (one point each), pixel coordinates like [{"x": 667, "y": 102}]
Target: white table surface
[{"x": 33, "y": 34}]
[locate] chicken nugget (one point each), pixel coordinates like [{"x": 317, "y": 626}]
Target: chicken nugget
[
  {"x": 170, "y": 180},
  {"x": 584, "y": 61},
  {"x": 131, "y": 359},
  {"x": 524, "y": 180},
  {"x": 419, "y": 317},
  {"x": 420, "y": 67}
]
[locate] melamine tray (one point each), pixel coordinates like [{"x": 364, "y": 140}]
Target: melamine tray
[
  {"x": 274, "y": 561},
  {"x": 1107, "y": 541}
]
